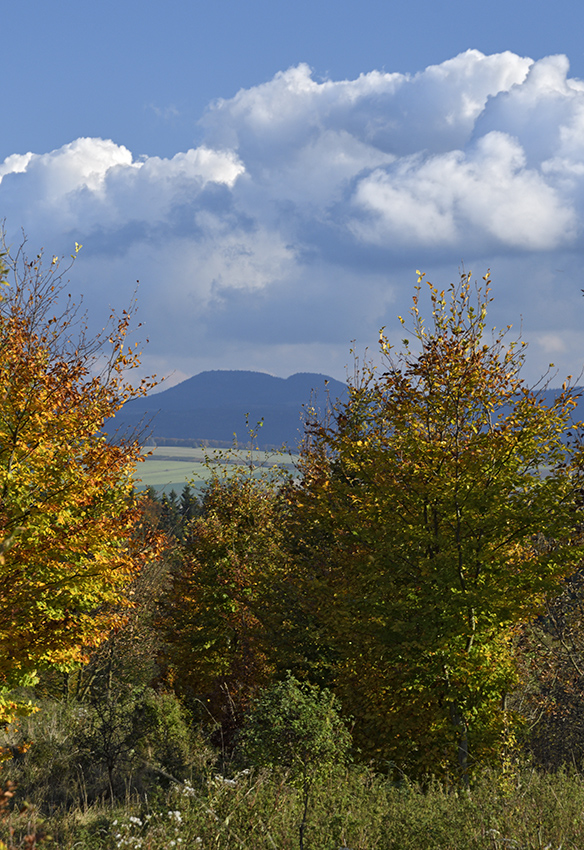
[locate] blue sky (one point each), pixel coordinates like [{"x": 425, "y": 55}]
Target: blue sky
[
  {"x": 273, "y": 173},
  {"x": 142, "y": 73}
]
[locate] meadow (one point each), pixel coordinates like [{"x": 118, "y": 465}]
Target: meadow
[
  {"x": 169, "y": 468},
  {"x": 352, "y": 809}
]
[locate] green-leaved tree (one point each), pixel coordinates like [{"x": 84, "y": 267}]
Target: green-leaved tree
[
  {"x": 436, "y": 512},
  {"x": 297, "y": 727}
]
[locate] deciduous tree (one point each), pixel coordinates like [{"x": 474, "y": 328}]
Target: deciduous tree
[
  {"x": 220, "y": 615},
  {"x": 419, "y": 533},
  {"x": 297, "y": 727},
  {"x": 67, "y": 514}
]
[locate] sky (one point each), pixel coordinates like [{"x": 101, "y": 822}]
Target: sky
[{"x": 274, "y": 173}]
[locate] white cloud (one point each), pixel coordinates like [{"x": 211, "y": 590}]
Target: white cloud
[
  {"x": 96, "y": 183},
  {"x": 15, "y": 164},
  {"x": 396, "y": 113},
  {"x": 486, "y": 197},
  {"x": 83, "y": 163},
  {"x": 297, "y": 225}
]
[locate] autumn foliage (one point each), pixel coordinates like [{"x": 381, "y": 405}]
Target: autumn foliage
[
  {"x": 220, "y": 615},
  {"x": 424, "y": 566},
  {"x": 436, "y": 513},
  {"x": 68, "y": 545}
]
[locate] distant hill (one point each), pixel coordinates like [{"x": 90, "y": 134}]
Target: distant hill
[{"x": 212, "y": 406}]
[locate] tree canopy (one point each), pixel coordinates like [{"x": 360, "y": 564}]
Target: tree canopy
[
  {"x": 68, "y": 543},
  {"x": 436, "y": 511}
]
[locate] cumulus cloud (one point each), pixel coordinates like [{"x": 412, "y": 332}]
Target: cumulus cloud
[
  {"x": 484, "y": 198},
  {"x": 297, "y": 225}
]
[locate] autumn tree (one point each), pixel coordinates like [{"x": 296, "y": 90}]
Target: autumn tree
[
  {"x": 221, "y": 614},
  {"x": 68, "y": 542},
  {"x": 436, "y": 512}
]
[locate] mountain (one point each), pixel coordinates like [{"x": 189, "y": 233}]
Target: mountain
[{"x": 212, "y": 406}]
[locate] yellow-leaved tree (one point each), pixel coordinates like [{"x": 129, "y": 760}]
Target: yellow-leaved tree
[
  {"x": 68, "y": 542},
  {"x": 435, "y": 514}
]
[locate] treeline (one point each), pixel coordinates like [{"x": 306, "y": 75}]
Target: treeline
[
  {"x": 415, "y": 593},
  {"x": 423, "y": 567},
  {"x": 162, "y": 705}
]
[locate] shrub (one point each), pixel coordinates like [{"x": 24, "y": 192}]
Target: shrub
[{"x": 298, "y": 727}]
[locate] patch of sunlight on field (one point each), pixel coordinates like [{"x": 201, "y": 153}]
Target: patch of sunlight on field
[{"x": 171, "y": 467}]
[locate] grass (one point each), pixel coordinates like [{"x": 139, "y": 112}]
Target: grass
[
  {"x": 353, "y": 808},
  {"x": 171, "y": 467}
]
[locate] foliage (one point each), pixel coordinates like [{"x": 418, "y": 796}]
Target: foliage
[
  {"x": 219, "y": 617},
  {"x": 551, "y": 692},
  {"x": 67, "y": 514},
  {"x": 106, "y": 729},
  {"x": 297, "y": 727},
  {"x": 435, "y": 514},
  {"x": 101, "y": 749},
  {"x": 176, "y": 513},
  {"x": 427, "y": 561}
]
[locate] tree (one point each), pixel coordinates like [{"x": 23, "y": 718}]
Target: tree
[
  {"x": 170, "y": 519},
  {"x": 298, "y": 727},
  {"x": 68, "y": 517},
  {"x": 219, "y": 618},
  {"x": 436, "y": 512},
  {"x": 551, "y": 693}
]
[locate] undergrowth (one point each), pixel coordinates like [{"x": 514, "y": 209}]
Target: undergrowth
[{"x": 352, "y": 808}]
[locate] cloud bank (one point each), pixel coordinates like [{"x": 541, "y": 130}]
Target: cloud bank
[{"x": 298, "y": 225}]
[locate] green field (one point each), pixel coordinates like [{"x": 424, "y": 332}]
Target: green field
[{"x": 171, "y": 467}]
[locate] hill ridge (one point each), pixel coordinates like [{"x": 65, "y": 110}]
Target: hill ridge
[{"x": 212, "y": 406}]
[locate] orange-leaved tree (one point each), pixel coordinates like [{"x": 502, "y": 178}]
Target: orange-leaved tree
[
  {"x": 67, "y": 514},
  {"x": 435, "y": 514},
  {"x": 222, "y": 614}
]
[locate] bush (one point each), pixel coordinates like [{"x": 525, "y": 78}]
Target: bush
[
  {"x": 84, "y": 752},
  {"x": 297, "y": 727}
]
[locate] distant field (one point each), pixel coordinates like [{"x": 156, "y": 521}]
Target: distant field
[{"x": 171, "y": 467}]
